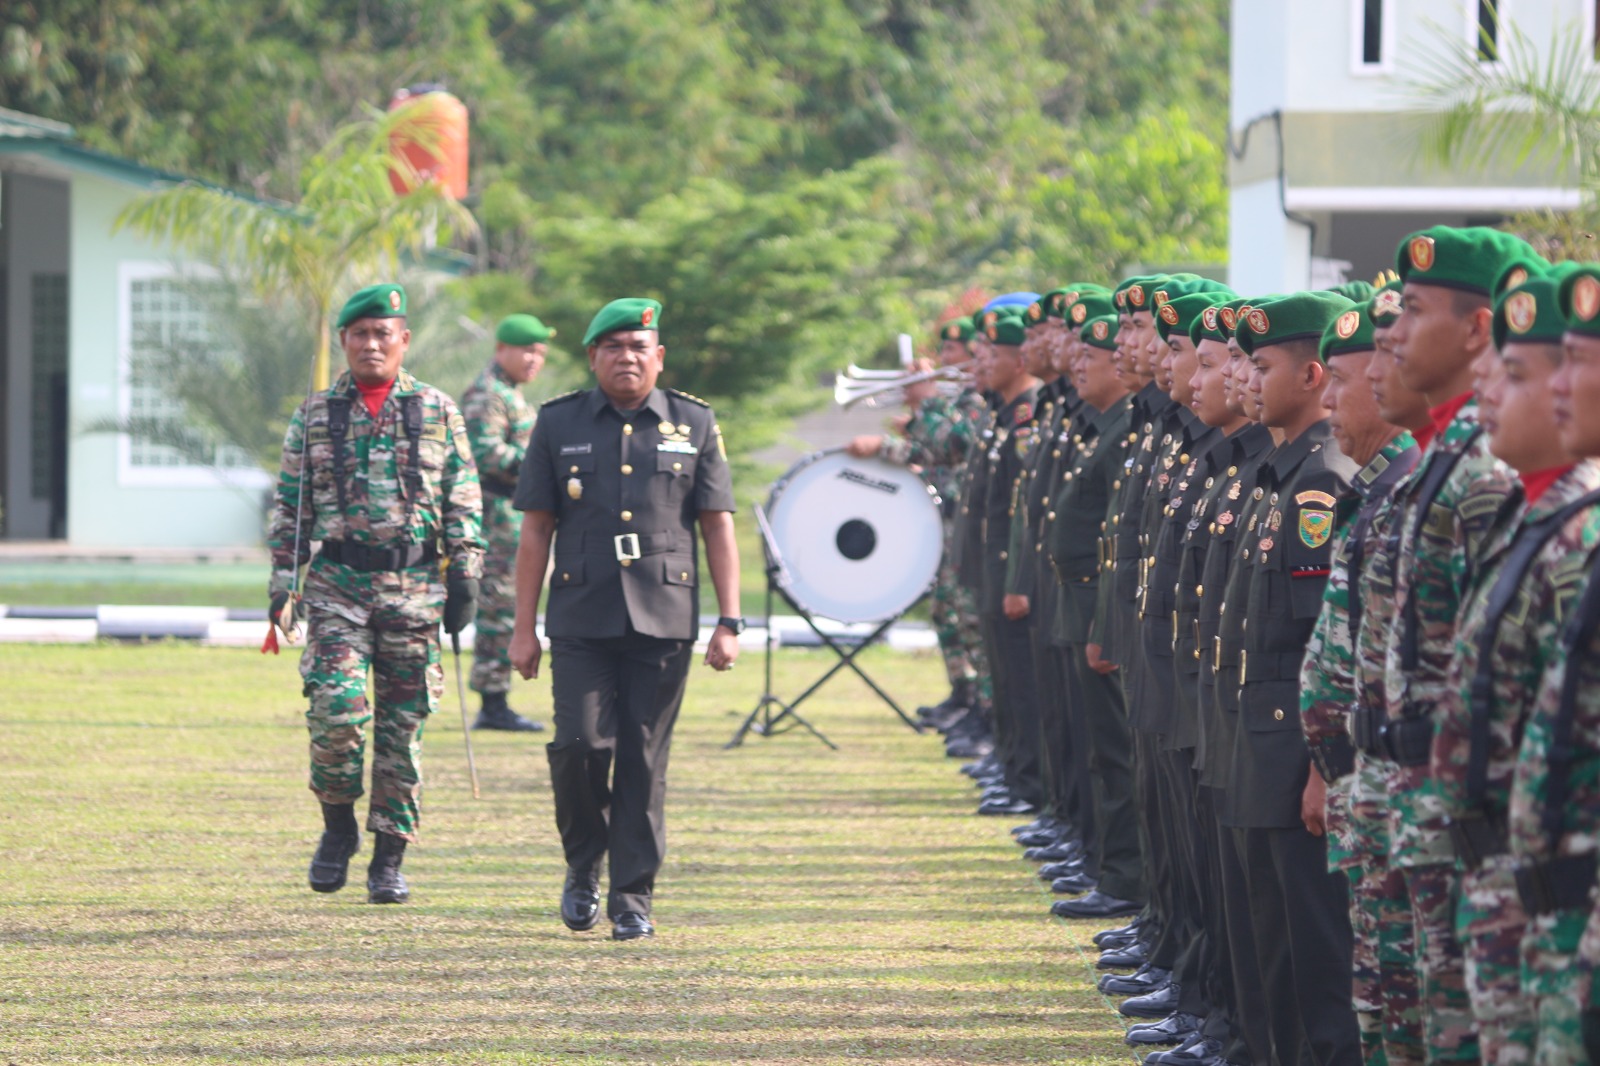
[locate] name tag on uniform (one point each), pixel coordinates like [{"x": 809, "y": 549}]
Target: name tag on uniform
[
  {"x": 682, "y": 447},
  {"x": 434, "y": 431},
  {"x": 576, "y": 449}
]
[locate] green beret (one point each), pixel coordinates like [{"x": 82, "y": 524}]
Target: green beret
[
  {"x": 1467, "y": 258},
  {"x": 1101, "y": 332},
  {"x": 1354, "y": 291},
  {"x": 1178, "y": 314},
  {"x": 375, "y": 301},
  {"x": 1297, "y": 317},
  {"x": 1089, "y": 305},
  {"x": 1006, "y": 329},
  {"x": 1133, "y": 294},
  {"x": 1529, "y": 312},
  {"x": 519, "y": 331},
  {"x": 1579, "y": 300},
  {"x": 631, "y": 313},
  {"x": 1175, "y": 285},
  {"x": 1207, "y": 325},
  {"x": 957, "y": 329},
  {"x": 1516, "y": 270},
  {"x": 1034, "y": 314},
  {"x": 1384, "y": 307},
  {"x": 1348, "y": 334},
  {"x": 1228, "y": 316},
  {"x": 1057, "y": 302}
]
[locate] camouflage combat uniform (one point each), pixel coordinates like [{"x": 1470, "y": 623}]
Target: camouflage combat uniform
[
  {"x": 1554, "y": 829},
  {"x": 1512, "y": 612},
  {"x": 499, "y": 423},
  {"x": 1338, "y": 673},
  {"x": 399, "y": 499},
  {"x": 1433, "y": 552},
  {"x": 942, "y": 435}
]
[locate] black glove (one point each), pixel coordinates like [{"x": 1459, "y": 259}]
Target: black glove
[
  {"x": 460, "y": 603},
  {"x": 278, "y": 602}
]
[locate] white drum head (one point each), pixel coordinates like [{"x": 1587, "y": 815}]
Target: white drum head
[{"x": 860, "y": 539}]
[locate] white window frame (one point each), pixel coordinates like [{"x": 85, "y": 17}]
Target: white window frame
[
  {"x": 165, "y": 477},
  {"x": 1503, "y": 10},
  {"x": 1386, "y": 43}
]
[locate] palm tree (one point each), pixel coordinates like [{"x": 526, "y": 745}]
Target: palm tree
[
  {"x": 1531, "y": 105},
  {"x": 349, "y": 227}
]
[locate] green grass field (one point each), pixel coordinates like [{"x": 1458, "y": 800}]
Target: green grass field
[{"x": 816, "y": 907}]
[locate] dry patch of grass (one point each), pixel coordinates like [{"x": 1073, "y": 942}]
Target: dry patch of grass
[{"x": 816, "y": 907}]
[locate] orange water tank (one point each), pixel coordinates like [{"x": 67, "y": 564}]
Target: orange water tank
[{"x": 441, "y": 121}]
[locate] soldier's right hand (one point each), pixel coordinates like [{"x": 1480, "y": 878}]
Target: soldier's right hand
[
  {"x": 460, "y": 603},
  {"x": 1091, "y": 652},
  {"x": 864, "y": 447},
  {"x": 525, "y": 654},
  {"x": 286, "y": 612}
]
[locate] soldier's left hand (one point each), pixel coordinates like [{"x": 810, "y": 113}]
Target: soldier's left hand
[
  {"x": 1314, "y": 804},
  {"x": 1015, "y": 607},
  {"x": 722, "y": 649},
  {"x": 460, "y": 603},
  {"x": 287, "y": 612}
]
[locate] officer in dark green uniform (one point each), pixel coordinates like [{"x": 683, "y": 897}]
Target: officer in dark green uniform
[{"x": 618, "y": 477}]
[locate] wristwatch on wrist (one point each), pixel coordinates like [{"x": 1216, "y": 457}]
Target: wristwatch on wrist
[{"x": 736, "y": 625}]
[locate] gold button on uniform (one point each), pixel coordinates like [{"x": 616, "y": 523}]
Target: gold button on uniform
[
  {"x": 684, "y": 576},
  {"x": 1002, "y": 555},
  {"x": 574, "y": 470},
  {"x": 626, "y": 562},
  {"x": 627, "y": 516},
  {"x": 677, "y": 466},
  {"x": 566, "y": 577},
  {"x": 1278, "y": 714},
  {"x": 627, "y": 468}
]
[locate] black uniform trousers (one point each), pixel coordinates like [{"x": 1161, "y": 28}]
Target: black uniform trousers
[
  {"x": 615, "y": 700},
  {"x": 1015, "y": 704},
  {"x": 1056, "y": 765},
  {"x": 1121, "y": 861}
]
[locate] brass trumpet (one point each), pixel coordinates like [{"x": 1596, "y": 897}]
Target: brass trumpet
[{"x": 886, "y": 388}]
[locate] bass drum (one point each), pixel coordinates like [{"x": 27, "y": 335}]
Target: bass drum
[{"x": 859, "y": 539}]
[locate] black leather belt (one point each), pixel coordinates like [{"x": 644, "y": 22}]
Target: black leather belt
[
  {"x": 1408, "y": 741},
  {"x": 373, "y": 559},
  {"x": 1476, "y": 837},
  {"x": 1556, "y": 884},
  {"x": 641, "y": 544},
  {"x": 497, "y": 488},
  {"x": 1366, "y": 729}
]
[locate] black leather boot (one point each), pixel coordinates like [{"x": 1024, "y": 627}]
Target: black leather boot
[
  {"x": 385, "y": 882},
  {"x": 495, "y": 714},
  {"x": 330, "y": 865}
]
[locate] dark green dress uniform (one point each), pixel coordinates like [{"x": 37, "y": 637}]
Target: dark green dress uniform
[
  {"x": 1082, "y": 508},
  {"x": 1016, "y": 721},
  {"x": 626, "y": 488},
  {"x": 1028, "y": 575},
  {"x": 1300, "y": 908}
]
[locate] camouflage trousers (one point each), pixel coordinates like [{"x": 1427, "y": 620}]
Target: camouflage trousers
[
  {"x": 1558, "y": 984},
  {"x": 497, "y": 598},
  {"x": 1490, "y": 923},
  {"x": 407, "y": 680},
  {"x": 1449, "y": 1032},
  {"x": 1559, "y": 1020},
  {"x": 954, "y": 611},
  {"x": 1385, "y": 991}
]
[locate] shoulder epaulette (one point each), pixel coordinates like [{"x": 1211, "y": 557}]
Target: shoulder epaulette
[
  {"x": 686, "y": 396},
  {"x": 563, "y": 398}
]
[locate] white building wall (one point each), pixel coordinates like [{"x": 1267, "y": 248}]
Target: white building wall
[
  {"x": 104, "y": 509},
  {"x": 1267, "y": 252}
]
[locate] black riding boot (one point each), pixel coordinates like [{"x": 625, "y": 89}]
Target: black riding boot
[
  {"x": 495, "y": 714},
  {"x": 385, "y": 882},
  {"x": 340, "y": 840}
]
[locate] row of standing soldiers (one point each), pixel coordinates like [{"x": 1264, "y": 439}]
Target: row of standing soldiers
[{"x": 1277, "y": 612}]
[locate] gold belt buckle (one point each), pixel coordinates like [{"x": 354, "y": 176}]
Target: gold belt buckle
[{"x": 627, "y": 545}]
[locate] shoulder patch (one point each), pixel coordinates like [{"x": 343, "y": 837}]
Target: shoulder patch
[
  {"x": 1315, "y": 527},
  {"x": 1478, "y": 506},
  {"x": 563, "y": 398},
  {"x": 686, "y": 396},
  {"x": 1315, "y": 496}
]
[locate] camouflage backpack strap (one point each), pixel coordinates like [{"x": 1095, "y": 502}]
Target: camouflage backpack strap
[
  {"x": 1432, "y": 482},
  {"x": 1481, "y": 698},
  {"x": 338, "y": 428},
  {"x": 1382, "y": 488},
  {"x": 411, "y": 418}
]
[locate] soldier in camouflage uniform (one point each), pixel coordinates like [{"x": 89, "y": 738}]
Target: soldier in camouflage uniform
[
  {"x": 1339, "y": 799},
  {"x": 379, "y": 470},
  {"x": 499, "y": 423},
  {"x": 1510, "y": 617},
  {"x": 939, "y": 436},
  {"x": 1554, "y": 813},
  {"x": 1444, "y": 512}
]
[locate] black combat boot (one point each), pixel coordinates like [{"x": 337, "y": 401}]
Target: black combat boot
[
  {"x": 385, "y": 882},
  {"x": 496, "y": 715},
  {"x": 340, "y": 840}
]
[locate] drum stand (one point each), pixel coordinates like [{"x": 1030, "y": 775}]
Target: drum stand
[{"x": 762, "y": 720}]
